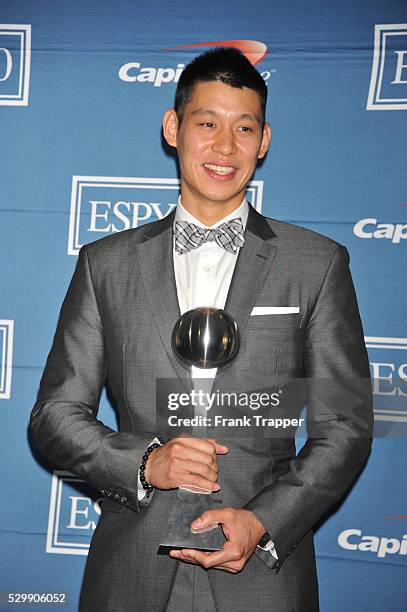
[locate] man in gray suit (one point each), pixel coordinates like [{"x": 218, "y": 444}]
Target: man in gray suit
[{"x": 291, "y": 294}]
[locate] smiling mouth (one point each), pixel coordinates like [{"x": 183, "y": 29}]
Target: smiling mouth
[{"x": 222, "y": 170}]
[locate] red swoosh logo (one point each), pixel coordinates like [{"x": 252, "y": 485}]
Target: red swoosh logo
[
  {"x": 394, "y": 518},
  {"x": 254, "y": 50}
]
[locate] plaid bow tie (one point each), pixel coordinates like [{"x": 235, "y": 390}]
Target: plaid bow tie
[{"x": 229, "y": 236}]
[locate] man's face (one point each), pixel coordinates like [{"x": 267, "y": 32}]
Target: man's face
[{"x": 218, "y": 141}]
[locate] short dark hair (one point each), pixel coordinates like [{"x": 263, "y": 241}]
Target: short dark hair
[{"x": 225, "y": 64}]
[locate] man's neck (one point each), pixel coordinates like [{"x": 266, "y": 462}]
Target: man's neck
[{"x": 209, "y": 214}]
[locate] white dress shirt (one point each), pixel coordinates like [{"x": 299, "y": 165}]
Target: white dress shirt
[{"x": 203, "y": 275}]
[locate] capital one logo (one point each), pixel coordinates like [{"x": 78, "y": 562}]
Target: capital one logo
[
  {"x": 103, "y": 205},
  {"x": 388, "y": 367},
  {"x": 380, "y": 546},
  {"x": 73, "y": 515},
  {"x": 388, "y": 83},
  {"x": 15, "y": 56},
  {"x": 373, "y": 228},
  {"x": 134, "y": 72},
  {"x": 6, "y": 357}
]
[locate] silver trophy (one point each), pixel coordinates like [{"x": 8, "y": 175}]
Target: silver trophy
[{"x": 205, "y": 338}]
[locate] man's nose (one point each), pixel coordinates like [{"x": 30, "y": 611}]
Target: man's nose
[{"x": 224, "y": 142}]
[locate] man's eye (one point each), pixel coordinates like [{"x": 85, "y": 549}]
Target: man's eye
[
  {"x": 245, "y": 128},
  {"x": 207, "y": 124}
]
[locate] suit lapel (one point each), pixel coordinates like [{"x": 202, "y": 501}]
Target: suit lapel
[
  {"x": 157, "y": 269},
  {"x": 252, "y": 267}
]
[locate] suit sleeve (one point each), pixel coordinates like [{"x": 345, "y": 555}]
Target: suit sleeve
[
  {"x": 64, "y": 424},
  {"x": 339, "y": 417}
]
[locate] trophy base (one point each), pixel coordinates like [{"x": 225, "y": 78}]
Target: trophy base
[{"x": 179, "y": 534}]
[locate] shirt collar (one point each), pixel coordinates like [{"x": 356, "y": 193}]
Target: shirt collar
[{"x": 181, "y": 214}]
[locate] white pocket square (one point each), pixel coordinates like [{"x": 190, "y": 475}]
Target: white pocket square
[{"x": 274, "y": 310}]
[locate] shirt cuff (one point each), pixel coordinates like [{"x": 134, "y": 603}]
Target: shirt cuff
[
  {"x": 141, "y": 492},
  {"x": 269, "y": 547}
]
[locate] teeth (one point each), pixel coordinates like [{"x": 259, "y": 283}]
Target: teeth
[{"x": 220, "y": 169}]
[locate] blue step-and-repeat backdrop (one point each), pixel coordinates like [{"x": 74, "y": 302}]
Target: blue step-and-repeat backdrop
[{"x": 83, "y": 86}]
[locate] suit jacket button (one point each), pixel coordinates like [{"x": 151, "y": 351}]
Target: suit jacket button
[
  {"x": 102, "y": 491},
  {"x": 123, "y": 500}
]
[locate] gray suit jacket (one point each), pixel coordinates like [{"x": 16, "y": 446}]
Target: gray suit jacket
[{"x": 115, "y": 329}]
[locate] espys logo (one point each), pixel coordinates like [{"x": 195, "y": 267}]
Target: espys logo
[
  {"x": 380, "y": 546},
  {"x": 134, "y": 72},
  {"x": 6, "y": 357},
  {"x": 388, "y": 364},
  {"x": 102, "y": 205},
  {"x": 73, "y": 515},
  {"x": 371, "y": 228},
  {"x": 15, "y": 55},
  {"x": 388, "y": 83}
]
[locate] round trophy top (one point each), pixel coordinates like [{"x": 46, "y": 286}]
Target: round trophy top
[{"x": 205, "y": 338}]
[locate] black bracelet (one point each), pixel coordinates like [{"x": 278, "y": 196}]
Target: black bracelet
[{"x": 146, "y": 486}]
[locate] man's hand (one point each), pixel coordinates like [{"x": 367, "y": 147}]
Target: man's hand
[
  {"x": 243, "y": 532},
  {"x": 185, "y": 461}
]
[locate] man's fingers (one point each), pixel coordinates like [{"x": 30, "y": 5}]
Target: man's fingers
[
  {"x": 220, "y": 449},
  {"x": 209, "y": 445},
  {"x": 193, "y": 448},
  {"x": 191, "y": 555},
  {"x": 200, "y": 469},
  {"x": 181, "y": 453},
  {"x": 199, "y": 482},
  {"x": 211, "y": 516},
  {"x": 222, "y": 559},
  {"x": 177, "y": 554}
]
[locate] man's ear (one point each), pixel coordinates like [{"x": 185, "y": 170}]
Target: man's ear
[
  {"x": 170, "y": 127},
  {"x": 265, "y": 142}
]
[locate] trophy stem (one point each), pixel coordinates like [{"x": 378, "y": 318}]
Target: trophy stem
[{"x": 191, "y": 504}]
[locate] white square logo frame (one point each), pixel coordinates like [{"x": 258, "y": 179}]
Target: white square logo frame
[
  {"x": 17, "y": 96},
  {"x": 6, "y": 357},
  {"x": 376, "y": 99},
  {"x": 392, "y": 413}
]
